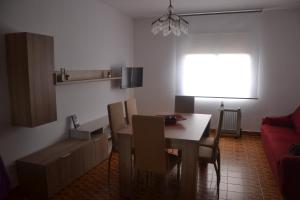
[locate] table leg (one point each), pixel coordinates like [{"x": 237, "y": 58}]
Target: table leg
[
  {"x": 125, "y": 164},
  {"x": 207, "y": 130},
  {"x": 189, "y": 170}
]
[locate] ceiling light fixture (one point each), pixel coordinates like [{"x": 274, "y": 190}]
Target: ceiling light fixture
[{"x": 170, "y": 23}]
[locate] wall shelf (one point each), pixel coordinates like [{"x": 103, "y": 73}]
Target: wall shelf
[
  {"x": 87, "y": 80},
  {"x": 85, "y": 76}
]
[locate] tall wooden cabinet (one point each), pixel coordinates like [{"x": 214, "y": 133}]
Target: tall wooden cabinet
[{"x": 30, "y": 66}]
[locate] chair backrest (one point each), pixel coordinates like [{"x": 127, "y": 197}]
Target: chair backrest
[
  {"x": 219, "y": 128},
  {"x": 184, "y": 104},
  {"x": 116, "y": 120},
  {"x": 130, "y": 109},
  {"x": 149, "y": 143}
]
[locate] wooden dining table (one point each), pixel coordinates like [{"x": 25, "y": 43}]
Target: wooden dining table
[{"x": 184, "y": 135}]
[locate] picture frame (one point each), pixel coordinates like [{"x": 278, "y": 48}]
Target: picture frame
[{"x": 75, "y": 121}]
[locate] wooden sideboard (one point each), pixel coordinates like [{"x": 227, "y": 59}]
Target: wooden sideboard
[{"x": 47, "y": 171}]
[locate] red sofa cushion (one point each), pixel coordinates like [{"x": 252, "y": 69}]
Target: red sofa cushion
[
  {"x": 279, "y": 121},
  {"x": 278, "y": 141},
  {"x": 296, "y": 120}
]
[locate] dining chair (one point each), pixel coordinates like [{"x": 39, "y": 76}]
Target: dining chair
[
  {"x": 151, "y": 153},
  {"x": 130, "y": 109},
  {"x": 210, "y": 153},
  {"x": 184, "y": 104},
  {"x": 116, "y": 122},
  {"x": 209, "y": 139}
]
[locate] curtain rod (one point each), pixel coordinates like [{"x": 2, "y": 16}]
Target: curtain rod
[{"x": 220, "y": 12}]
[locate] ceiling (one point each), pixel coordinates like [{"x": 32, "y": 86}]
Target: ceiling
[{"x": 151, "y": 8}]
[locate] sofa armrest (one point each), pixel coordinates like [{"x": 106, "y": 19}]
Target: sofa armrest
[
  {"x": 289, "y": 176},
  {"x": 285, "y": 121}
]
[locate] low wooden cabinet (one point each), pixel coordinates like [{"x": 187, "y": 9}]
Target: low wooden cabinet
[
  {"x": 45, "y": 172},
  {"x": 100, "y": 147},
  {"x": 98, "y": 132}
]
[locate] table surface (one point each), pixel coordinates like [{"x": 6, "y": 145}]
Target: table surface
[{"x": 190, "y": 129}]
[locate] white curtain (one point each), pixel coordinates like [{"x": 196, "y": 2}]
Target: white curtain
[{"x": 219, "y": 57}]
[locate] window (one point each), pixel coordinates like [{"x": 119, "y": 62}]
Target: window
[
  {"x": 217, "y": 75},
  {"x": 219, "y": 57}
]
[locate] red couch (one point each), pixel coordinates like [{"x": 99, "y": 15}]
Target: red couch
[{"x": 278, "y": 134}]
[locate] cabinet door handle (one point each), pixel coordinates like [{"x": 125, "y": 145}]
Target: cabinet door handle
[{"x": 66, "y": 155}]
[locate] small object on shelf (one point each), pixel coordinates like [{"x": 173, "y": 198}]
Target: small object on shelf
[
  {"x": 62, "y": 73},
  {"x": 109, "y": 74},
  {"x": 75, "y": 121},
  {"x": 61, "y": 77},
  {"x": 67, "y": 76}
]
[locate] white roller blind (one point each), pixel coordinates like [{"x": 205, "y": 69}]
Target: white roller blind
[{"x": 220, "y": 56}]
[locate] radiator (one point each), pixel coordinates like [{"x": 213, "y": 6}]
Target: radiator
[{"x": 232, "y": 122}]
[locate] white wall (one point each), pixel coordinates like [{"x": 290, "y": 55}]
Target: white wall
[
  {"x": 157, "y": 55},
  {"x": 87, "y": 35},
  {"x": 279, "y": 88}
]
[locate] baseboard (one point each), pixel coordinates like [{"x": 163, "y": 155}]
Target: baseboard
[
  {"x": 257, "y": 133},
  {"x": 247, "y": 132}
]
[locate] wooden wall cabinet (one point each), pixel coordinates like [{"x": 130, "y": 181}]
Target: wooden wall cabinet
[
  {"x": 44, "y": 173},
  {"x": 30, "y": 66}
]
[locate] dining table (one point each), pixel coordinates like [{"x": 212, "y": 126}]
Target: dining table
[{"x": 184, "y": 135}]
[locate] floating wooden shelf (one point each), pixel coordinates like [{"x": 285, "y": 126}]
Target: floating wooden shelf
[
  {"x": 84, "y": 76},
  {"x": 87, "y": 80}
]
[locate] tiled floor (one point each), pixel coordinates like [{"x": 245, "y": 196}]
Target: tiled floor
[{"x": 244, "y": 169}]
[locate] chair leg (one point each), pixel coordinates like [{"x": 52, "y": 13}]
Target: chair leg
[
  {"x": 218, "y": 178},
  {"x": 219, "y": 169},
  {"x": 132, "y": 167},
  {"x": 108, "y": 169},
  {"x": 178, "y": 171},
  {"x": 147, "y": 179}
]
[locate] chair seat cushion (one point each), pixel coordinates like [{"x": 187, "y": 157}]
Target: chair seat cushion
[
  {"x": 205, "y": 154},
  {"x": 208, "y": 141}
]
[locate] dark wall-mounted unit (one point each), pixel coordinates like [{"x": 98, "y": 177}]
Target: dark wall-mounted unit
[{"x": 132, "y": 77}]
